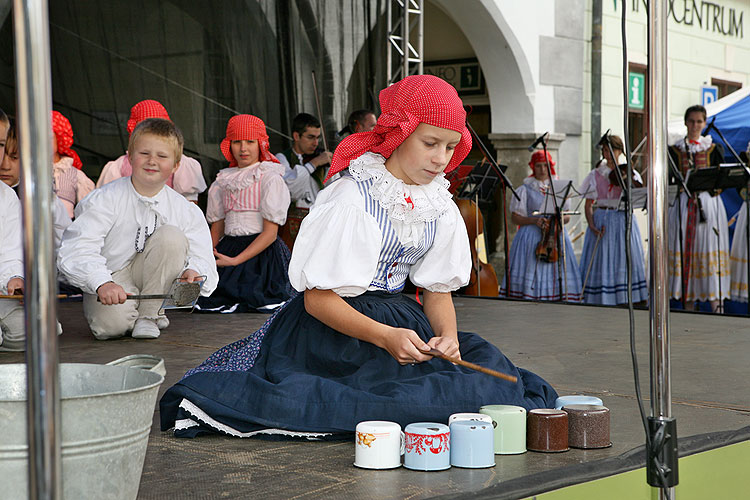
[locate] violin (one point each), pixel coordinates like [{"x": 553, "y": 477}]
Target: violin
[
  {"x": 546, "y": 249},
  {"x": 483, "y": 280},
  {"x": 614, "y": 179}
]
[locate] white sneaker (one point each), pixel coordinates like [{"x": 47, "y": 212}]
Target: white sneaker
[
  {"x": 145, "y": 329},
  {"x": 162, "y": 322}
]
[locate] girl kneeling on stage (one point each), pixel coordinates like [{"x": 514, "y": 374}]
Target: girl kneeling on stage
[
  {"x": 603, "y": 260},
  {"x": 532, "y": 276},
  {"x": 246, "y": 205},
  {"x": 350, "y": 347}
]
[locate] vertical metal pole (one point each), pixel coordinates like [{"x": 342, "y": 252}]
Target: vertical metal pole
[
  {"x": 420, "y": 39},
  {"x": 661, "y": 390},
  {"x": 405, "y": 32},
  {"x": 35, "y": 146},
  {"x": 389, "y": 49}
]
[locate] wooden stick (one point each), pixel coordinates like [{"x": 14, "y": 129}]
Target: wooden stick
[
  {"x": 461, "y": 362},
  {"x": 21, "y": 297}
]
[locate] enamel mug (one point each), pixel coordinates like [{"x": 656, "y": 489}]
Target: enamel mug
[
  {"x": 427, "y": 446},
  {"x": 510, "y": 428},
  {"x": 576, "y": 400},
  {"x": 477, "y": 417},
  {"x": 378, "y": 445},
  {"x": 472, "y": 444}
]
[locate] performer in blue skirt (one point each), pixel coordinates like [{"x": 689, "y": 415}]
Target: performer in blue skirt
[
  {"x": 350, "y": 347},
  {"x": 246, "y": 205},
  {"x": 603, "y": 261},
  {"x": 532, "y": 278}
]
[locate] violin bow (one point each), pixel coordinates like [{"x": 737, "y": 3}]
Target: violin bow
[
  {"x": 320, "y": 113},
  {"x": 510, "y": 378}
]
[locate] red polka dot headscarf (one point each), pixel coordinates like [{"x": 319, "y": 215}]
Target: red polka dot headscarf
[
  {"x": 538, "y": 157},
  {"x": 246, "y": 128},
  {"x": 404, "y": 105},
  {"x": 64, "y": 136},
  {"x": 146, "y": 109}
]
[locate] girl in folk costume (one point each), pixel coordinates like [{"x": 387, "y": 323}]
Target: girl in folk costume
[
  {"x": 71, "y": 184},
  {"x": 698, "y": 257},
  {"x": 603, "y": 260},
  {"x": 246, "y": 205},
  {"x": 530, "y": 277},
  {"x": 188, "y": 178},
  {"x": 350, "y": 347},
  {"x": 738, "y": 255}
]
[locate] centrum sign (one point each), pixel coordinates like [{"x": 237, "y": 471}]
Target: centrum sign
[{"x": 708, "y": 16}]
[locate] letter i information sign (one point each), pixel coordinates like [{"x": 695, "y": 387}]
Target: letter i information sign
[{"x": 636, "y": 90}]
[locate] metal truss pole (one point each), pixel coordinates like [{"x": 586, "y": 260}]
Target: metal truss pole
[{"x": 403, "y": 57}]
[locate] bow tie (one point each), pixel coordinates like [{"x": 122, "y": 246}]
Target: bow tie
[{"x": 694, "y": 142}]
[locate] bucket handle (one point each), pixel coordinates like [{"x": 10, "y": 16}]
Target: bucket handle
[{"x": 157, "y": 368}]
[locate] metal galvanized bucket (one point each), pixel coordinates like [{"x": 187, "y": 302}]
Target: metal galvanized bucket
[{"x": 107, "y": 412}]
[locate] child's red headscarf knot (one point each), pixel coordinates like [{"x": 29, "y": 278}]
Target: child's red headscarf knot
[
  {"x": 64, "y": 136},
  {"x": 146, "y": 109},
  {"x": 246, "y": 128},
  {"x": 538, "y": 157},
  {"x": 404, "y": 105}
]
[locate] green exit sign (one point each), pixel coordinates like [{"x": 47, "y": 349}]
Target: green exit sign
[{"x": 636, "y": 91}]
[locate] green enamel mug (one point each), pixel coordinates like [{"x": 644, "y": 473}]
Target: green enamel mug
[{"x": 509, "y": 424}]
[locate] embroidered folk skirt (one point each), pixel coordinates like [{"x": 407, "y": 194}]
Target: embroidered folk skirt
[
  {"x": 256, "y": 284},
  {"x": 296, "y": 375},
  {"x": 606, "y": 263},
  {"x": 738, "y": 257},
  {"x": 535, "y": 280},
  {"x": 708, "y": 273}
]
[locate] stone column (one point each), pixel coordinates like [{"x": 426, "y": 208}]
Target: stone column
[{"x": 513, "y": 151}]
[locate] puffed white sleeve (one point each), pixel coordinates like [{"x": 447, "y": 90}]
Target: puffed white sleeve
[
  {"x": 11, "y": 255},
  {"x": 519, "y": 206},
  {"x": 338, "y": 244},
  {"x": 200, "y": 256},
  {"x": 215, "y": 205},
  {"x": 80, "y": 257},
  {"x": 188, "y": 179},
  {"x": 110, "y": 172},
  {"x": 446, "y": 266},
  {"x": 588, "y": 186},
  {"x": 61, "y": 220},
  {"x": 275, "y": 199},
  {"x": 84, "y": 185}
]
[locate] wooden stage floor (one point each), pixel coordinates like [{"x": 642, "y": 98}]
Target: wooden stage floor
[{"x": 578, "y": 349}]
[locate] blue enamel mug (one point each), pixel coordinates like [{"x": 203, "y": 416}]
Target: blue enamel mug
[
  {"x": 576, "y": 400},
  {"x": 427, "y": 446},
  {"x": 472, "y": 444}
]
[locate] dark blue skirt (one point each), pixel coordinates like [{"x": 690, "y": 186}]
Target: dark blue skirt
[
  {"x": 257, "y": 282},
  {"x": 297, "y": 374}
]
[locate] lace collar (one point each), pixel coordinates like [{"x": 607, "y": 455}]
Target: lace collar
[
  {"x": 702, "y": 144},
  {"x": 235, "y": 178},
  {"x": 408, "y": 206},
  {"x": 537, "y": 185}
]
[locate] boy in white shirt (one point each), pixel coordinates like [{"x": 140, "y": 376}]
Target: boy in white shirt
[
  {"x": 135, "y": 236},
  {"x": 12, "y": 331}
]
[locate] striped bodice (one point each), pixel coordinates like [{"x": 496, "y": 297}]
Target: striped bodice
[
  {"x": 243, "y": 200},
  {"x": 66, "y": 184},
  {"x": 395, "y": 259}
]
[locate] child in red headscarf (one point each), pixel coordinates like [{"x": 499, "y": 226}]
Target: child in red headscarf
[
  {"x": 188, "y": 178},
  {"x": 71, "y": 184},
  {"x": 532, "y": 276},
  {"x": 246, "y": 205},
  {"x": 350, "y": 347}
]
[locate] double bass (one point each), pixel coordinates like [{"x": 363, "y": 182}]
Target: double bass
[{"x": 483, "y": 280}]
